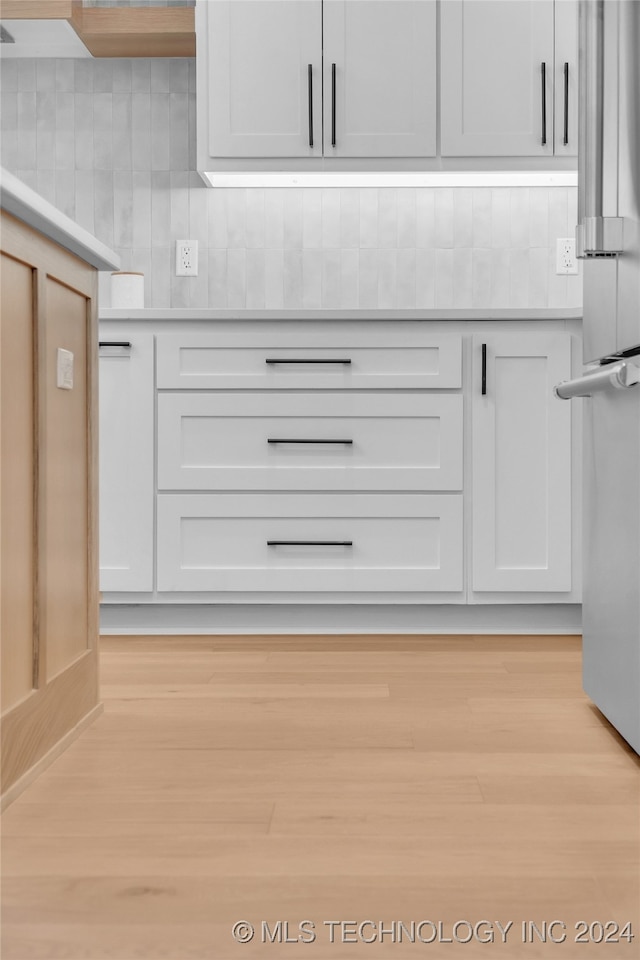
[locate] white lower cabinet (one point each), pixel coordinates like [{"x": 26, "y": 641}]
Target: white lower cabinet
[
  {"x": 127, "y": 443},
  {"x": 343, "y": 543},
  {"x": 338, "y": 462},
  {"x": 521, "y": 460}
]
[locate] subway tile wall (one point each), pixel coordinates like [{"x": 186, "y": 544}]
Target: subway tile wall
[{"x": 112, "y": 144}]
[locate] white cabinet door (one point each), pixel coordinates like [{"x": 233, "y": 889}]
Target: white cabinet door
[
  {"x": 259, "y": 83},
  {"x": 301, "y": 542},
  {"x": 566, "y": 78},
  {"x": 379, "y": 78},
  {"x": 126, "y": 462},
  {"x": 493, "y": 92},
  {"x": 521, "y": 464}
]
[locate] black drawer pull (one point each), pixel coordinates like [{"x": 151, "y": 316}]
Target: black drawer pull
[
  {"x": 309, "y": 543},
  {"x": 272, "y": 360},
  {"x": 484, "y": 369},
  {"x": 114, "y": 343},
  {"x": 292, "y": 440}
]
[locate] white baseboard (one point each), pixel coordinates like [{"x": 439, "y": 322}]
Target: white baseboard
[{"x": 560, "y": 618}]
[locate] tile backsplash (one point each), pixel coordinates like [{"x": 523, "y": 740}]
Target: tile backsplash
[{"x": 112, "y": 144}]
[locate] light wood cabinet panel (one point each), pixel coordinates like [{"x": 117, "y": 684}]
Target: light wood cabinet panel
[
  {"x": 521, "y": 464},
  {"x": 17, "y": 412},
  {"x": 49, "y": 489},
  {"x": 64, "y": 464}
]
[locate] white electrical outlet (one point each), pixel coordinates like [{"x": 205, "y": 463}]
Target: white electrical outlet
[
  {"x": 566, "y": 261},
  {"x": 186, "y": 258}
]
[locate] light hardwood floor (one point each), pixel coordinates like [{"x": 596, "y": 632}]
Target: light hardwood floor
[{"x": 382, "y": 779}]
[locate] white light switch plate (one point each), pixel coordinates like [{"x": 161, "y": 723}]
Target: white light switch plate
[{"x": 64, "y": 369}]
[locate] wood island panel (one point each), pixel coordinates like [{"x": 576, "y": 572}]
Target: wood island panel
[{"x": 49, "y": 502}]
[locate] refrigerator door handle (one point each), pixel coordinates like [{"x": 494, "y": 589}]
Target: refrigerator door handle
[{"x": 617, "y": 376}]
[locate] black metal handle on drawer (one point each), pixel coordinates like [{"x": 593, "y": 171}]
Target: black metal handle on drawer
[
  {"x": 272, "y": 360},
  {"x": 114, "y": 343},
  {"x": 309, "y": 543},
  {"x": 484, "y": 369},
  {"x": 292, "y": 440}
]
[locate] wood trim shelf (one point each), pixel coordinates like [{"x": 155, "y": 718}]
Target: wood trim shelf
[
  {"x": 136, "y": 32},
  {"x": 116, "y": 31},
  {"x": 36, "y": 9}
]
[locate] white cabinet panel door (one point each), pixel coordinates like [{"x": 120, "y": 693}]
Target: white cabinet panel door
[
  {"x": 300, "y": 542},
  {"x": 331, "y": 441},
  {"x": 521, "y": 464},
  {"x": 379, "y": 78},
  {"x": 566, "y": 78},
  {"x": 259, "y": 54},
  {"x": 492, "y": 90},
  {"x": 126, "y": 462}
]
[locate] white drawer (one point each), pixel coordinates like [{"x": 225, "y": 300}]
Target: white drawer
[
  {"x": 350, "y": 543},
  {"x": 327, "y": 355},
  {"x": 279, "y": 441}
]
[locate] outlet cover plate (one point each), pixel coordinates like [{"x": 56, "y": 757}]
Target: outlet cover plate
[
  {"x": 566, "y": 261},
  {"x": 186, "y": 258}
]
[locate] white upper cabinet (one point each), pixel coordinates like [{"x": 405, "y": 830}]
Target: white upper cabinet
[
  {"x": 495, "y": 56},
  {"x": 352, "y": 85},
  {"x": 503, "y": 78},
  {"x": 566, "y": 79},
  {"x": 379, "y": 78},
  {"x": 317, "y": 79},
  {"x": 265, "y": 78}
]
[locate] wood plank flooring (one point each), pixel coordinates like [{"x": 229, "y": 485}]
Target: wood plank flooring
[{"x": 372, "y": 781}]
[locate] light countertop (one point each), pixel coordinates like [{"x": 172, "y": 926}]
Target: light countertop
[
  {"x": 175, "y": 313},
  {"x": 25, "y": 204}
]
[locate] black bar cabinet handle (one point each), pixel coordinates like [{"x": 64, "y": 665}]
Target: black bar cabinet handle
[
  {"x": 310, "y": 91},
  {"x": 309, "y": 543},
  {"x": 543, "y": 75},
  {"x": 333, "y": 104},
  {"x": 291, "y": 440},
  {"x": 114, "y": 343},
  {"x": 272, "y": 360},
  {"x": 566, "y": 105},
  {"x": 484, "y": 369}
]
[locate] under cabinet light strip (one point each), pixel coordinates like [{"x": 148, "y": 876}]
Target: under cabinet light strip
[{"x": 434, "y": 179}]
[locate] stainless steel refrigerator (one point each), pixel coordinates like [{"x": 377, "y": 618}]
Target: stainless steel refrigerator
[{"x": 608, "y": 240}]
